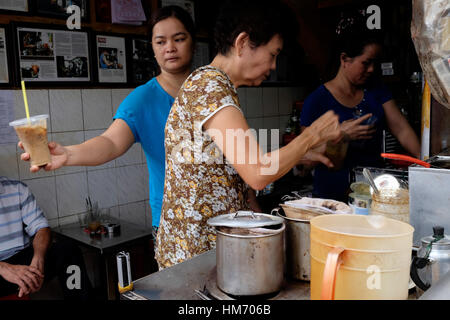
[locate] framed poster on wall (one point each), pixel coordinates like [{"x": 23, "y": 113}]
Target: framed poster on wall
[
  {"x": 46, "y": 53},
  {"x": 111, "y": 60},
  {"x": 16, "y": 6},
  {"x": 5, "y": 57},
  {"x": 58, "y": 9},
  {"x": 143, "y": 65}
]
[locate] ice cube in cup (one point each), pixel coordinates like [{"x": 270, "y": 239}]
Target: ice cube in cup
[{"x": 33, "y": 134}]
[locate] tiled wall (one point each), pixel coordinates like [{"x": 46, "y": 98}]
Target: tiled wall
[{"x": 122, "y": 184}]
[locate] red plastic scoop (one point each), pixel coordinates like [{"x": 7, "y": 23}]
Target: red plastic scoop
[{"x": 405, "y": 158}]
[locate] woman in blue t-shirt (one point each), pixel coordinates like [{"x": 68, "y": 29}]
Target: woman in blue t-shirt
[
  {"x": 364, "y": 107},
  {"x": 142, "y": 116}
]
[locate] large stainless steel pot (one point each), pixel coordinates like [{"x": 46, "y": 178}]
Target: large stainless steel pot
[
  {"x": 249, "y": 253},
  {"x": 297, "y": 247}
]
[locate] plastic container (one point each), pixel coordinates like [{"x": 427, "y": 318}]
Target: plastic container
[
  {"x": 356, "y": 257},
  {"x": 360, "y": 203},
  {"x": 360, "y": 199},
  {"x": 33, "y": 134}
]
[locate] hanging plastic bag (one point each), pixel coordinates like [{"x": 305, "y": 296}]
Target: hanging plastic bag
[{"x": 430, "y": 32}]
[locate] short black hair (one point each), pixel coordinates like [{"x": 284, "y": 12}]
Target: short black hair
[
  {"x": 352, "y": 42},
  {"x": 260, "y": 19},
  {"x": 173, "y": 11}
]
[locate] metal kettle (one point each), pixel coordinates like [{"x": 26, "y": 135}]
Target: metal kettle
[{"x": 433, "y": 259}]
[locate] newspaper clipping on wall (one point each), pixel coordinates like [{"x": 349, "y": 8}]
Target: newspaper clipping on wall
[
  {"x": 14, "y": 5},
  {"x": 4, "y": 74},
  {"x": 144, "y": 65},
  {"x": 111, "y": 56},
  {"x": 53, "y": 55},
  {"x": 7, "y": 134}
]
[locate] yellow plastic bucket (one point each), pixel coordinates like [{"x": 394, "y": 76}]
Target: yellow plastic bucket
[{"x": 356, "y": 257}]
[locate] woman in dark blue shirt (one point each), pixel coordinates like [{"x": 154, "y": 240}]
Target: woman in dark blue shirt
[{"x": 364, "y": 108}]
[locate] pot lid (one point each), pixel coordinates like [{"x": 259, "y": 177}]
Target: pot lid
[
  {"x": 438, "y": 240},
  {"x": 245, "y": 219}
]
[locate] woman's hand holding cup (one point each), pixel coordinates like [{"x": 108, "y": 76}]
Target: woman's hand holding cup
[{"x": 59, "y": 156}]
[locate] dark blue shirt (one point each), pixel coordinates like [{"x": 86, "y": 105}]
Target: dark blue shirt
[{"x": 331, "y": 184}]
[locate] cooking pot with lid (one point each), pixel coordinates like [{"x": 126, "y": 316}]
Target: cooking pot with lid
[{"x": 249, "y": 253}]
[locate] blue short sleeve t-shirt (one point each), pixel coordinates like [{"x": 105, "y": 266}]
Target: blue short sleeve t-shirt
[
  {"x": 331, "y": 184},
  {"x": 145, "y": 110}
]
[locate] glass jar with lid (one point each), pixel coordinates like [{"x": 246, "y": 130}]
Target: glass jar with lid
[{"x": 392, "y": 203}]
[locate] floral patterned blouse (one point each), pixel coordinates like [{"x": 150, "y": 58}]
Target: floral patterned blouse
[{"x": 199, "y": 183}]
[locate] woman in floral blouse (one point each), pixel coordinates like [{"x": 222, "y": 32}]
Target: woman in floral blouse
[{"x": 211, "y": 159}]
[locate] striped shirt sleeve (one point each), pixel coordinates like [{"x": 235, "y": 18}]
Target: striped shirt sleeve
[{"x": 32, "y": 216}]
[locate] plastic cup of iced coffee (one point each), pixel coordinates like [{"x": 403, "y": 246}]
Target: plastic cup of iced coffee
[{"x": 33, "y": 134}]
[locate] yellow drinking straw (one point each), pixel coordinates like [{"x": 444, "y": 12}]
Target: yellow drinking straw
[{"x": 25, "y": 100}]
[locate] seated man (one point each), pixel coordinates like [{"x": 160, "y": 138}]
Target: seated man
[{"x": 27, "y": 254}]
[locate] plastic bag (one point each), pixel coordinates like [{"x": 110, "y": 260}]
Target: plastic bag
[{"x": 430, "y": 32}]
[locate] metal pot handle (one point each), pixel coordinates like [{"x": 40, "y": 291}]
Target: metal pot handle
[
  {"x": 418, "y": 263},
  {"x": 237, "y": 212},
  {"x": 276, "y": 210}
]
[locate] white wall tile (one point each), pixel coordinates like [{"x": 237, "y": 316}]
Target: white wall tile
[
  {"x": 131, "y": 157},
  {"x": 242, "y": 94},
  {"x": 255, "y": 123},
  {"x": 92, "y": 134},
  {"x": 118, "y": 95},
  {"x": 67, "y": 139},
  {"x": 148, "y": 215},
  {"x": 272, "y": 124},
  {"x": 144, "y": 158},
  {"x": 66, "y": 110},
  {"x": 130, "y": 184},
  {"x": 24, "y": 166},
  {"x": 254, "y": 103},
  {"x": 68, "y": 220},
  {"x": 114, "y": 213},
  {"x": 284, "y": 121},
  {"x": 134, "y": 213},
  {"x": 38, "y": 103},
  {"x": 102, "y": 185},
  {"x": 53, "y": 223},
  {"x": 270, "y": 101},
  {"x": 8, "y": 161},
  {"x": 286, "y": 100},
  {"x": 44, "y": 191},
  {"x": 144, "y": 172},
  {"x": 71, "y": 191},
  {"x": 97, "y": 108}
]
